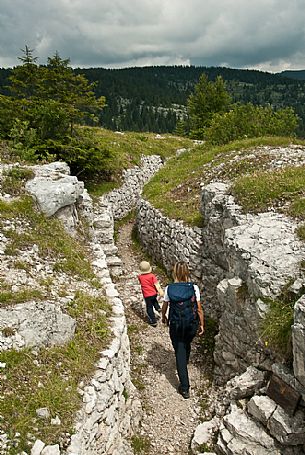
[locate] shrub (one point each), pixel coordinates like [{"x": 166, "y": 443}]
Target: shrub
[{"x": 250, "y": 121}]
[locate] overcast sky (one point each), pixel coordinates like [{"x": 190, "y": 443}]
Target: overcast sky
[{"x": 261, "y": 34}]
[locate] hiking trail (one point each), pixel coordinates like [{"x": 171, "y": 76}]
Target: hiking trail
[{"x": 169, "y": 420}]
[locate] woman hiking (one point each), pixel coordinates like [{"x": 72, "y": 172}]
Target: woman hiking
[{"x": 185, "y": 317}]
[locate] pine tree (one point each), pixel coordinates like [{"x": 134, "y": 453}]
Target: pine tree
[
  {"x": 208, "y": 98},
  {"x": 25, "y": 78}
]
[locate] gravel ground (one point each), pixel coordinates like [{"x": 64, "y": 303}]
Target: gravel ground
[{"x": 169, "y": 420}]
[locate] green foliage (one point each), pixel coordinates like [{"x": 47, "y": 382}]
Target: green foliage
[
  {"x": 51, "y": 379},
  {"x": 276, "y": 327},
  {"x": 181, "y": 128},
  {"x": 45, "y": 104},
  {"x": 25, "y": 78},
  {"x": 9, "y": 110},
  {"x": 250, "y": 121},
  {"x": 88, "y": 158},
  {"x": 22, "y": 135},
  {"x": 48, "y": 234},
  {"x": 259, "y": 191},
  {"x": 50, "y": 118},
  {"x": 140, "y": 444},
  {"x": 208, "y": 98},
  {"x": 153, "y": 98}
]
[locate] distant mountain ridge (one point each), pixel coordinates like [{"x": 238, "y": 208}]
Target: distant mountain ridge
[{"x": 294, "y": 74}]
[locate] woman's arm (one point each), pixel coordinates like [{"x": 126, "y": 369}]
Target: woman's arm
[
  {"x": 163, "y": 312},
  {"x": 201, "y": 318}
]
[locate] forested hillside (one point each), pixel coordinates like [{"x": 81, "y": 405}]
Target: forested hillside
[{"x": 154, "y": 98}]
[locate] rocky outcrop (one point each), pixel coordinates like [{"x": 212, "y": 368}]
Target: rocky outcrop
[
  {"x": 55, "y": 189},
  {"x": 248, "y": 421},
  {"x": 263, "y": 256},
  {"x": 33, "y": 324}
]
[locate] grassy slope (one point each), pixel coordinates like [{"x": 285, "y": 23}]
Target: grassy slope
[
  {"x": 128, "y": 148},
  {"x": 175, "y": 190}
]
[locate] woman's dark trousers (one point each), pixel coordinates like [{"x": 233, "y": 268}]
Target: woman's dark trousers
[{"x": 181, "y": 341}]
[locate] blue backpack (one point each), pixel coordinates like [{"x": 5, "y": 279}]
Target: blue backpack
[{"x": 183, "y": 304}]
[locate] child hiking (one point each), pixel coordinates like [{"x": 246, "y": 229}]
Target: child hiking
[
  {"x": 185, "y": 316},
  {"x": 150, "y": 290}
]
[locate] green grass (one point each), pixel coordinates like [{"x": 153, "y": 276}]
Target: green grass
[
  {"x": 175, "y": 189},
  {"x": 51, "y": 379},
  {"x": 48, "y": 234},
  {"x": 263, "y": 189},
  {"x": 127, "y": 149},
  {"x": 276, "y": 327},
  {"x": 275, "y": 330},
  {"x": 129, "y": 146},
  {"x": 14, "y": 179},
  {"x": 11, "y": 298},
  {"x": 140, "y": 444},
  {"x": 98, "y": 189},
  {"x": 297, "y": 208}
]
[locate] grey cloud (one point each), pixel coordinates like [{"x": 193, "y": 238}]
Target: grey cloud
[{"x": 117, "y": 33}]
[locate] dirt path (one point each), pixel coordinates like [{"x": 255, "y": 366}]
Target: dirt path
[{"x": 169, "y": 420}]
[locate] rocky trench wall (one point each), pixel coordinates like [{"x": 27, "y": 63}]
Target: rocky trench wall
[
  {"x": 111, "y": 411},
  {"x": 239, "y": 261},
  {"x": 124, "y": 199}
]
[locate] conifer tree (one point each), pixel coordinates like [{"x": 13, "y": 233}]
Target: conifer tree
[
  {"x": 25, "y": 78},
  {"x": 208, "y": 98}
]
